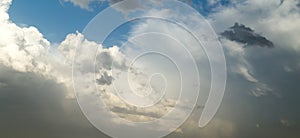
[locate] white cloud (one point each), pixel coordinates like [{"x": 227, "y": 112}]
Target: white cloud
[
  {"x": 245, "y": 72},
  {"x": 84, "y": 4},
  {"x": 25, "y": 49},
  {"x": 278, "y": 22},
  {"x": 4, "y": 6},
  {"x": 22, "y": 49}
]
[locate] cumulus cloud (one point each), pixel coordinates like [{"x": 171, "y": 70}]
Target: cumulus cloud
[
  {"x": 24, "y": 49},
  {"x": 104, "y": 60},
  {"x": 105, "y": 79}
]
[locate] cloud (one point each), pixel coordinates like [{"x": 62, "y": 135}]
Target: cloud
[
  {"x": 239, "y": 64},
  {"x": 2, "y": 84},
  {"x": 84, "y": 4},
  {"x": 245, "y": 72},
  {"x": 22, "y": 48},
  {"x": 277, "y": 21},
  {"x": 25, "y": 50},
  {"x": 219, "y": 127},
  {"x": 285, "y": 122},
  {"x": 130, "y": 6},
  {"x": 105, "y": 79},
  {"x": 245, "y": 35},
  {"x": 30, "y": 102},
  {"x": 260, "y": 90},
  {"x": 4, "y": 6}
]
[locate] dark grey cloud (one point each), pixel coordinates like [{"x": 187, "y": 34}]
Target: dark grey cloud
[
  {"x": 104, "y": 60},
  {"x": 105, "y": 79},
  {"x": 34, "y": 107},
  {"x": 245, "y": 35},
  {"x": 281, "y": 2}
]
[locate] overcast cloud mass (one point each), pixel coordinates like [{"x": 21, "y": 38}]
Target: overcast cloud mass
[{"x": 262, "y": 48}]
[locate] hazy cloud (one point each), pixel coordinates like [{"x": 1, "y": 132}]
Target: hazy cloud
[
  {"x": 34, "y": 107},
  {"x": 2, "y": 84}
]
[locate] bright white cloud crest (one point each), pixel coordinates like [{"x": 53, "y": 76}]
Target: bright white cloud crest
[{"x": 153, "y": 50}]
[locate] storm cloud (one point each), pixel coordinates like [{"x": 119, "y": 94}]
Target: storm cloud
[
  {"x": 245, "y": 35},
  {"x": 32, "y": 106}
]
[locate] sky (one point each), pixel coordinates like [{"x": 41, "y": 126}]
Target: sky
[
  {"x": 55, "y": 19},
  {"x": 54, "y": 68}
]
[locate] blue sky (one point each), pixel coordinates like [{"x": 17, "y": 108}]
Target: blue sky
[{"x": 55, "y": 19}]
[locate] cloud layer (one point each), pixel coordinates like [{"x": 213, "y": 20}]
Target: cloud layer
[{"x": 262, "y": 82}]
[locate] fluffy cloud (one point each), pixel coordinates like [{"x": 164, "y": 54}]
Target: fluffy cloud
[{"x": 24, "y": 49}]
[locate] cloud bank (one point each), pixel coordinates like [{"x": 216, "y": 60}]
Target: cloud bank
[{"x": 25, "y": 50}]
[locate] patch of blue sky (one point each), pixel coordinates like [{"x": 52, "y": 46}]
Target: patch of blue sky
[
  {"x": 204, "y": 7},
  {"x": 53, "y": 18},
  {"x": 119, "y": 35}
]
